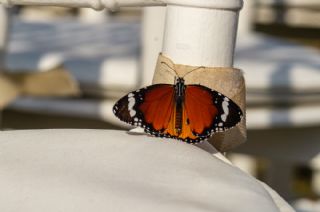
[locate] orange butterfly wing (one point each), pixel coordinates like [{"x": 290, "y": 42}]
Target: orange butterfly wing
[
  {"x": 199, "y": 108},
  {"x": 209, "y": 111},
  {"x": 158, "y": 107},
  {"x": 149, "y": 107},
  {"x": 204, "y": 112}
]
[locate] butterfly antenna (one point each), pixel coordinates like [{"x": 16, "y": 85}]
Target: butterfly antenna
[
  {"x": 200, "y": 67},
  {"x": 176, "y": 74}
]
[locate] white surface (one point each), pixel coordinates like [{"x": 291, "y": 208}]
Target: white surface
[
  {"x": 295, "y": 116},
  {"x": 114, "y": 4},
  {"x": 282, "y": 66},
  {"x": 100, "y": 170},
  {"x": 190, "y": 31},
  {"x": 100, "y": 56}
]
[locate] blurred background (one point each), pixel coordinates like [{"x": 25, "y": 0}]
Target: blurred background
[{"x": 64, "y": 68}]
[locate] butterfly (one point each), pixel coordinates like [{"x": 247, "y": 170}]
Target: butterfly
[{"x": 190, "y": 113}]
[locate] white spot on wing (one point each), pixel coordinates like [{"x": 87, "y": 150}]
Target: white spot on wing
[
  {"x": 132, "y": 102},
  {"x": 132, "y": 113},
  {"x": 225, "y": 108}
]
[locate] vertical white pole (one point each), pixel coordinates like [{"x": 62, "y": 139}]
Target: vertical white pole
[
  {"x": 200, "y": 36},
  {"x": 246, "y": 18},
  {"x": 152, "y": 37},
  {"x": 4, "y": 19}
]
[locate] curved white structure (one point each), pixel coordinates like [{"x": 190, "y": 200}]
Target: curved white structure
[
  {"x": 114, "y": 4},
  {"x": 108, "y": 170}
]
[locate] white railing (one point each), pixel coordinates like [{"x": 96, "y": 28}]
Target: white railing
[{"x": 114, "y": 4}]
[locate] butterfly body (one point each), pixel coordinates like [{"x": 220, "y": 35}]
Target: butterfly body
[
  {"x": 179, "y": 97},
  {"x": 190, "y": 113}
]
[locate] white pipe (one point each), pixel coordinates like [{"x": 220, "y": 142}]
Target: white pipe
[
  {"x": 114, "y": 4},
  {"x": 4, "y": 20},
  {"x": 246, "y": 19},
  {"x": 299, "y": 116},
  {"x": 152, "y": 39},
  {"x": 200, "y": 36}
]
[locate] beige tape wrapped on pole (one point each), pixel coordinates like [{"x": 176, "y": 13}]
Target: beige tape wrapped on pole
[{"x": 228, "y": 81}]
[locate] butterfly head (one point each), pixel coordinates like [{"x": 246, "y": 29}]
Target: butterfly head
[{"x": 179, "y": 80}]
